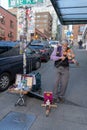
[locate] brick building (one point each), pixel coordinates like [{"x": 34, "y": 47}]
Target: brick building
[
  {"x": 77, "y": 31},
  {"x": 8, "y": 25},
  {"x": 43, "y": 22}
]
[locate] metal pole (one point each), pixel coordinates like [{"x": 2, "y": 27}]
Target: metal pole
[
  {"x": 23, "y": 37},
  {"x": 25, "y": 42}
]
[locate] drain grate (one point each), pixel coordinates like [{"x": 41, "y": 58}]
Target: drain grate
[{"x": 17, "y": 121}]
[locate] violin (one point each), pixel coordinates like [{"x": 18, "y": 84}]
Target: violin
[
  {"x": 66, "y": 53},
  {"x": 69, "y": 54}
]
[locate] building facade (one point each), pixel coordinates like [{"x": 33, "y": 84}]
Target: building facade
[
  {"x": 8, "y": 25},
  {"x": 31, "y": 23},
  {"x": 43, "y": 22},
  {"x": 46, "y": 6},
  {"x": 78, "y": 31},
  {"x": 84, "y": 35},
  {"x": 64, "y": 31}
]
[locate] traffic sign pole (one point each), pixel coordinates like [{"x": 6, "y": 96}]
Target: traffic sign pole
[{"x": 19, "y": 3}]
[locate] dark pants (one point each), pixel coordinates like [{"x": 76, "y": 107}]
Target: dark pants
[{"x": 61, "y": 82}]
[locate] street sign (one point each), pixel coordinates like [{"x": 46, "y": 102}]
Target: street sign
[
  {"x": 68, "y": 33},
  {"x": 17, "y": 3}
]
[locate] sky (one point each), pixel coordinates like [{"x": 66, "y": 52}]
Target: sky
[{"x": 4, "y": 3}]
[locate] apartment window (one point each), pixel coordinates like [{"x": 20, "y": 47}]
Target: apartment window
[
  {"x": 2, "y": 32},
  {"x": 45, "y": 25},
  {"x": 38, "y": 16},
  {"x": 45, "y": 16},
  {"x": 10, "y": 34},
  {"x": 2, "y": 20},
  {"x": 37, "y": 25},
  {"x": 11, "y": 24},
  {"x": 37, "y": 20},
  {"x": 45, "y": 21},
  {"x": 81, "y": 28}
]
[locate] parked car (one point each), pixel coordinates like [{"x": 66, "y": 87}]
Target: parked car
[
  {"x": 11, "y": 63},
  {"x": 84, "y": 45},
  {"x": 53, "y": 43},
  {"x": 44, "y": 55},
  {"x": 47, "y": 46},
  {"x": 43, "y": 48}
]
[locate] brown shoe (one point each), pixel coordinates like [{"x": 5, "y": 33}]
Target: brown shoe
[
  {"x": 56, "y": 100},
  {"x": 62, "y": 100}
]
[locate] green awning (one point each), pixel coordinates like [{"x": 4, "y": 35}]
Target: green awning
[{"x": 71, "y": 11}]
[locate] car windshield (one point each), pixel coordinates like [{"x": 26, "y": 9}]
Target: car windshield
[
  {"x": 7, "y": 43},
  {"x": 53, "y": 42},
  {"x": 36, "y": 41},
  {"x": 37, "y": 47},
  {"x": 8, "y": 48},
  {"x": 28, "y": 51}
]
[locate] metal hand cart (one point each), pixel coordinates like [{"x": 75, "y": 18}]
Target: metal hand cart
[
  {"x": 21, "y": 99},
  {"x": 20, "y": 88}
]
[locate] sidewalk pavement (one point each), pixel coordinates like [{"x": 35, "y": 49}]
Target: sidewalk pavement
[{"x": 71, "y": 115}]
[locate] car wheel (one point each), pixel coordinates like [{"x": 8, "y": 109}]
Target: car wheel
[
  {"x": 37, "y": 65},
  {"x": 4, "y": 81}
]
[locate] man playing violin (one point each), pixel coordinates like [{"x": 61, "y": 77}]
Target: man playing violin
[{"x": 62, "y": 60}]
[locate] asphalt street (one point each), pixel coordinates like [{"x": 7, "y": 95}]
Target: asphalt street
[{"x": 67, "y": 116}]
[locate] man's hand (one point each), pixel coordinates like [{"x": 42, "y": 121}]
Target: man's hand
[{"x": 62, "y": 58}]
